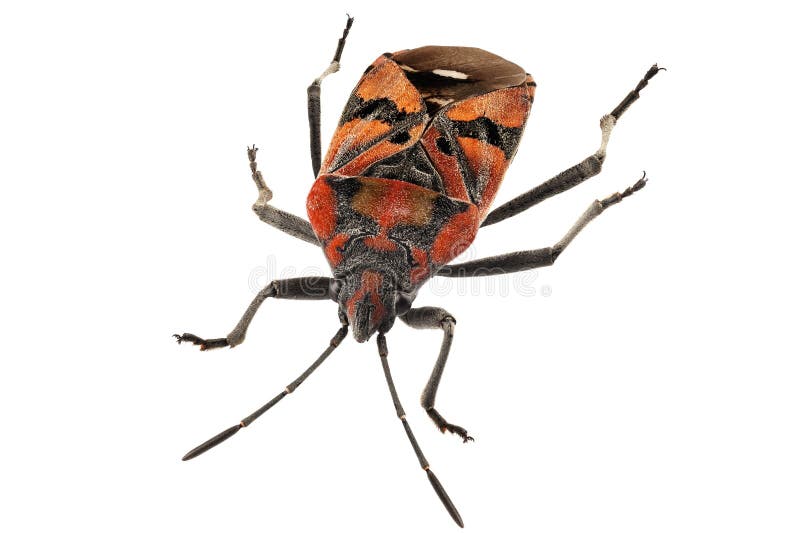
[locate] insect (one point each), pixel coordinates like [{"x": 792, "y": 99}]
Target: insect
[{"x": 409, "y": 178}]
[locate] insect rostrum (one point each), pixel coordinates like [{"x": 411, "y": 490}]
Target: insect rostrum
[{"x": 413, "y": 167}]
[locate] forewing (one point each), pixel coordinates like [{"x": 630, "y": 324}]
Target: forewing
[
  {"x": 384, "y": 115},
  {"x": 471, "y": 143},
  {"x": 479, "y": 103}
]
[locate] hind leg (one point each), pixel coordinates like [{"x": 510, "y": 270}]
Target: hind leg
[{"x": 315, "y": 105}]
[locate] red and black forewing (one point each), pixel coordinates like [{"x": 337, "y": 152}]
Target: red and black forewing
[
  {"x": 479, "y": 103},
  {"x": 384, "y": 115},
  {"x": 471, "y": 142},
  {"x": 396, "y": 180}
]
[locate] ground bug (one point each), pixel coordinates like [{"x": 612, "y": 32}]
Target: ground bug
[{"x": 409, "y": 178}]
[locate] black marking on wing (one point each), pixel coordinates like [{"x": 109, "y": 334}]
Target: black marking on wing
[
  {"x": 503, "y": 137},
  {"x": 378, "y": 109},
  {"x": 400, "y": 138},
  {"x": 444, "y": 145},
  {"x": 411, "y": 165},
  {"x": 447, "y": 144}
]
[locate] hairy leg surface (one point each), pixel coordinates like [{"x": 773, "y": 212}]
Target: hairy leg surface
[{"x": 283, "y": 221}]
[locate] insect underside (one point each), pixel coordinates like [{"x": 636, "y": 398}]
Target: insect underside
[{"x": 416, "y": 161}]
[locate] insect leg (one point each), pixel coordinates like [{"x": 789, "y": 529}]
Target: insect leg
[
  {"x": 285, "y": 222},
  {"x": 437, "y": 486},
  {"x": 225, "y": 434},
  {"x": 428, "y": 317},
  {"x": 576, "y": 174},
  {"x": 542, "y": 257},
  {"x": 314, "y": 105},
  {"x": 310, "y": 288}
]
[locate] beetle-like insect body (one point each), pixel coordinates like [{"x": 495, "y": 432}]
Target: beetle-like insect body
[
  {"x": 414, "y": 165},
  {"x": 418, "y": 157}
]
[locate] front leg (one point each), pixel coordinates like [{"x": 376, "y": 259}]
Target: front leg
[
  {"x": 427, "y": 317},
  {"x": 283, "y": 221},
  {"x": 311, "y": 288}
]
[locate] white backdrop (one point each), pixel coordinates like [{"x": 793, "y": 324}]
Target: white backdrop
[{"x": 648, "y": 382}]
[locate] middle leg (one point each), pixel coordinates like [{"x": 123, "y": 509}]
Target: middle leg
[
  {"x": 428, "y": 317},
  {"x": 540, "y": 257}
]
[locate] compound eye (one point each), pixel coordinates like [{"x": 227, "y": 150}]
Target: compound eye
[
  {"x": 402, "y": 302},
  {"x": 334, "y": 288}
]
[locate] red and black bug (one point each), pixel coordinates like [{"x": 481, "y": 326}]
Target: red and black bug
[{"x": 409, "y": 178}]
